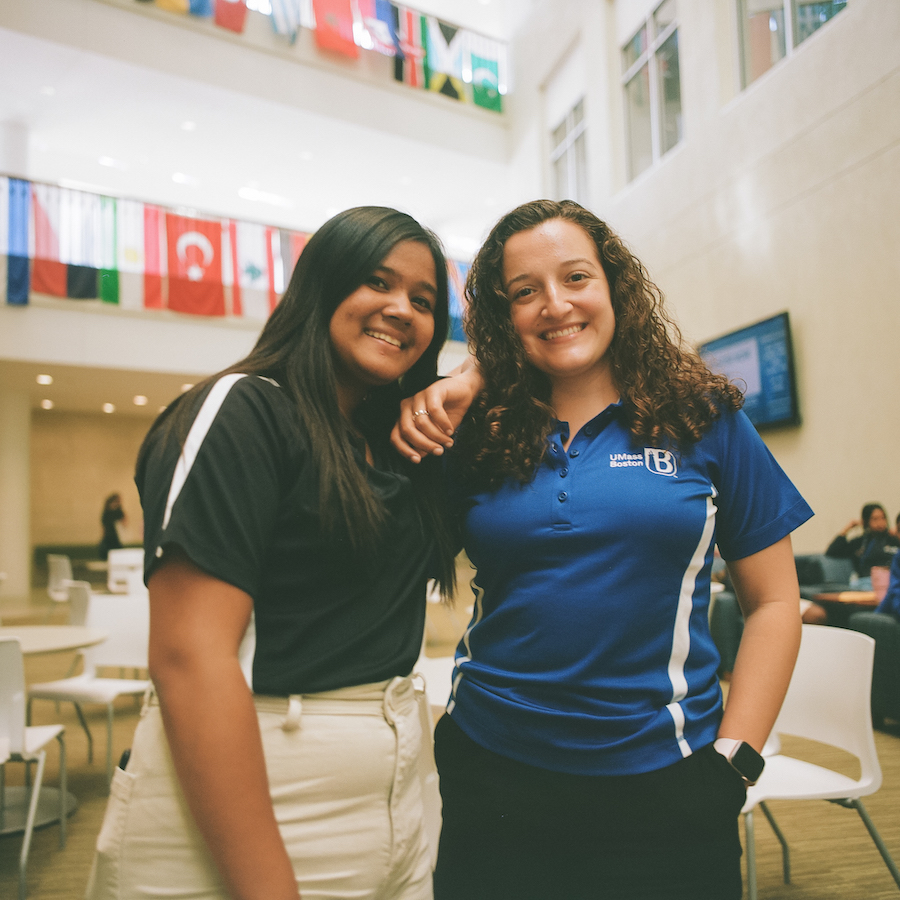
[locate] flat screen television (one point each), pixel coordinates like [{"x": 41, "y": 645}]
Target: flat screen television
[{"x": 759, "y": 358}]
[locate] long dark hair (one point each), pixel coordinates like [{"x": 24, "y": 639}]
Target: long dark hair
[
  {"x": 295, "y": 349},
  {"x": 669, "y": 394}
]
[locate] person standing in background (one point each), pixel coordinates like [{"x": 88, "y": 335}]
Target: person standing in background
[{"x": 112, "y": 519}]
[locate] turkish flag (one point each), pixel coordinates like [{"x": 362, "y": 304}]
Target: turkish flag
[{"x": 196, "y": 284}]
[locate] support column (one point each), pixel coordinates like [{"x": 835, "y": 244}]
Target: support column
[{"x": 15, "y": 494}]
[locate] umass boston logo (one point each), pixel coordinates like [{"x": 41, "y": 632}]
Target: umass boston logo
[{"x": 659, "y": 462}]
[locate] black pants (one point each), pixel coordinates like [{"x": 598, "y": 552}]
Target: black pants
[{"x": 514, "y": 831}]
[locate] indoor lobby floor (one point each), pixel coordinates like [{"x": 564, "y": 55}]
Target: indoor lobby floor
[{"x": 832, "y": 855}]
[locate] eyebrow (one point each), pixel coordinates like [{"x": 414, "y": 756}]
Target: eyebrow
[
  {"x": 581, "y": 260},
  {"x": 421, "y": 285}
]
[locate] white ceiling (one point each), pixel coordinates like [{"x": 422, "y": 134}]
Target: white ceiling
[{"x": 102, "y": 123}]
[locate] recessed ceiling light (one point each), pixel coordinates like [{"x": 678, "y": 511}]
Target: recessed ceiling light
[
  {"x": 109, "y": 407},
  {"x": 162, "y": 409},
  {"x": 140, "y": 400},
  {"x": 112, "y": 163},
  {"x": 186, "y": 387},
  {"x": 306, "y": 155},
  {"x": 46, "y": 404},
  {"x": 48, "y": 90},
  {"x": 44, "y": 379},
  {"x": 188, "y": 126},
  {"x": 252, "y": 193},
  {"x": 181, "y": 178}
]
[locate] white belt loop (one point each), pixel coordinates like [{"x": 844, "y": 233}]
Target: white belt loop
[{"x": 291, "y": 721}]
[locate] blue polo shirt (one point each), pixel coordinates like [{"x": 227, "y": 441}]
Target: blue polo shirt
[{"x": 589, "y": 649}]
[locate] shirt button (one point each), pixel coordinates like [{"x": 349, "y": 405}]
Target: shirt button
[
  {"x": 589, "y": 430},
  {"x": 563, "y": 473},
  {"x": 573, "y": 453},
  {"x": 563, "y": 496}
]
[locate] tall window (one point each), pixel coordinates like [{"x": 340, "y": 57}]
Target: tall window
[
  {"x": 569, "y": 156},
  {"x": 652, "y": 89},
  {"x": 770, "y": 29}
]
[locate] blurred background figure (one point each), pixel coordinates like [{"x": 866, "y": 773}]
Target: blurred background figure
[
  {"x": 875, "y": 546},
  {"x": 112, "y": 519}
]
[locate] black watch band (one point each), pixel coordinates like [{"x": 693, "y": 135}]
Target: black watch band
[{"x": 742, "y": 758}]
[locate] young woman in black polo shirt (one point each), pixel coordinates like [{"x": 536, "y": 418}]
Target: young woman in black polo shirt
[{"x": 270, "y": 490}]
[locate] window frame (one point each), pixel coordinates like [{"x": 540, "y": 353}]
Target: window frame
[{"x": 655, "y": 40}]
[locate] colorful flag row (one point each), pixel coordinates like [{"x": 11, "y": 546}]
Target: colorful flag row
[
  {"x": 428, "y": 53},
  {"x": 82, "y": 246},
  {"x": 78, "y": 245}
]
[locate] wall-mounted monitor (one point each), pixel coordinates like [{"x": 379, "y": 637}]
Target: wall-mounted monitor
[{"x": 760, "y": 360}]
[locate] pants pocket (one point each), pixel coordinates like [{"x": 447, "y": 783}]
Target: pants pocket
[{"x": 104, "y": 880}]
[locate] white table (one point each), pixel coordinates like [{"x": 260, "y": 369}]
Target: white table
[
  {"x": 52, "y": 638},
  {"x": 42, "y": 639}
]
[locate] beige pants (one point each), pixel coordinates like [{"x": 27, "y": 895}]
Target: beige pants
[{"x": 347, "y": 774}]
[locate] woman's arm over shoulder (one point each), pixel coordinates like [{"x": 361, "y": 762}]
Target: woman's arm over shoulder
[
  {"x": 767, "y": 590},
  {"x": 196, "y": 626},
  {"x": 429, "y": 418}
]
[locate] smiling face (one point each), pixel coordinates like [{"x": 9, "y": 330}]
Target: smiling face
[
  {"x": 560, "y": 304},
  {"x": 380, "y": 330}
]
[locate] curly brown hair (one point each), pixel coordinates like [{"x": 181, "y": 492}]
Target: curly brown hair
[{"x": 669, "y": 395}]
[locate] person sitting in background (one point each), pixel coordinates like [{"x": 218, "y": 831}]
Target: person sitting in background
[
  {"x": 891, "y": 604},
  {"x": 110, "y": 519},
  {"x": 876, "y": 546}
]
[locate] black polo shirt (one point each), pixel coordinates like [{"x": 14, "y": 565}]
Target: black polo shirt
[{"x": 242, "y": 501}]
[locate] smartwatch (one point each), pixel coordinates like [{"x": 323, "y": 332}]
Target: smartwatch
[{"x": 742, "y": 758}]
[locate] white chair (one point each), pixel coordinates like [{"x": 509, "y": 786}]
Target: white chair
[
  {"x": 126, "y": 619},
  {"x": 121, "y": 566},
  {"x": 26, "y": 744},
  {"x": 59, "y": 577},
  {"x": 828, "y": 702}
]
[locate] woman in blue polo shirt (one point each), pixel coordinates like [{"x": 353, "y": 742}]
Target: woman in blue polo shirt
[{"x": 586, "y": 752}]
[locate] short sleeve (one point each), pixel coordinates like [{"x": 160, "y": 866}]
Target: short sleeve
[
  {"x": 757, "y": 503},
  {"x": 217, "y": 497}
]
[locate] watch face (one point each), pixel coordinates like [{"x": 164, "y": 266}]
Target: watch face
[{"x": 748, "y": 762}]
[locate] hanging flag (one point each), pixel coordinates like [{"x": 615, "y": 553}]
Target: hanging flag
[
  {"x": 485, "y": 70},
  {"x": 4, "y": 235},
  {"x": 231, "y": 14},
  {"x": 485, "y": 83},
  {"x": 175, "y": 6},
  {"x": 80, "y": 243},
  {"x": 48, "y": 272},
  {"x": 14, "y": 214},
  {"x": 203, "y": 8},
  {"x": 109, "y": 255},
  {"x": 287, "y": 18},
  {"x": 334, "y": 27},
  {"x": 195, "y": 266},
  {"x": 178, "y": 6},
  {"x": 376, "y": 31},
  {"x": 456, "y": 283},
  {"x": 156, "y": 281},
  {"x": 444, "y": 58},
  {"x": 292, "y": 244},
  {"x": 409, "y": 63},
  {"x": 252, "y": 269}
]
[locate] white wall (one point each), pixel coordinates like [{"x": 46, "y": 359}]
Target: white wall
[{"x": 781, "y": 196}]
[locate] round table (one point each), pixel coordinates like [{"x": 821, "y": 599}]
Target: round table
[
  {"x": 43, "y": 639},
  {"x": 52, "y": 638}
]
